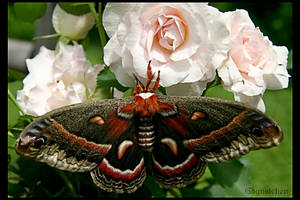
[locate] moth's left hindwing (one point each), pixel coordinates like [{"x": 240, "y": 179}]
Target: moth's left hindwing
[
  {"x": 218, "y": 130},
  {"x": 72, "y": 138}
]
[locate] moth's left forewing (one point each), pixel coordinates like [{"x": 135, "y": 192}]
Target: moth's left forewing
[
  {"x": 218, "y": 130},
  {"x": 73, "y": 138}
]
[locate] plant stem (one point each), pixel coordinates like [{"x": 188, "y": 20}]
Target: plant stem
[
  {"x": 13, "y": 99},
  {"x": 98, "y": 18},
  {"x": 46, "y": 36}
]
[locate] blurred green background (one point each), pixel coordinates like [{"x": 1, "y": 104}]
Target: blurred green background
[{"x": 270, "y": 169}]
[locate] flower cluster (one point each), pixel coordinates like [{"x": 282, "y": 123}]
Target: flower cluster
[
  {"x": 57, "y": 80},
  {"x": 189, "y": 43}
]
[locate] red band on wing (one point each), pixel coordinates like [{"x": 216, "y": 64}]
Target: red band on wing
[
  {"x": 214, "y": 134},
  {"x": 117, "y": 174},
  {"x": 168, "y": 171},
  {"x": 178, "y": 124},
  {"x": 102, "y": 148},
  {"x": 116, "y": 127}
]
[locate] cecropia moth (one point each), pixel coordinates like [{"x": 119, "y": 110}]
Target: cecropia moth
[{"x": 119, "y": 141}]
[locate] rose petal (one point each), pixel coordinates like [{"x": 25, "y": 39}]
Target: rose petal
[
  {"x": 76, "y": 93},
  {"x": 195, "y": 38},
  {"x": 121, "y": 74},
  {"x": 113, "y": 14},
  {"x": 238, "y": 20},
  {"x": 187, "y": 89},
  {"x": 255, "y": 101},
  {"x": 91, "y": 77},
  {"x": 39, "y": 67},
  {"x": 177, "y": 70},
  {"x": 229, "y": 73},
  {"x": 56, "y": 80},
  {"x": 158, "y": 53},
  {"x": 279, "y": 78},
  {"x": 175, "y": 37},
  {"x": 112, "y": 51}
]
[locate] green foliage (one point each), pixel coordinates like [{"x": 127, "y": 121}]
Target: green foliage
[
  {"x": 91, "y": 46},
  {"x": 17, "y": 28},
  {"x": 233, "y": 183},
  {"x": 128, "y": 92},
  {"x": 13, "y": 113},
  {"x": 75, "y": 8},
  {"x": 14, "y": 75},
  {"x": 29, "y": 12},
  {"x": 106, "y": 78}
]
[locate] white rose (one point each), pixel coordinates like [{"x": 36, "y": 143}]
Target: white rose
[
  {"x": 57, "y": 80},
  {"x": 185, "y": 41},
  {"x": 72, "y": 26},
  {"x": 254, "y": 63}
]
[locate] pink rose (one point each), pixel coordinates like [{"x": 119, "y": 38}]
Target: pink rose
[
  {"x": 185, "y": 41},
  {"x": 254, "y": 63},
  {"x": 57, "y": 80}
]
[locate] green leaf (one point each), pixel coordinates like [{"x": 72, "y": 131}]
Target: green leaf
[
  {"x": 128, "y": 93},
  {"x": 92, "y": 48},
  {"x": 29, "y": 12},
  {"x": 75, "y": 8},
  {"x": 9, "y": 158},
  {"x": 233, "y": 175},
  {"x": 162, "y": 90},
  {"x": 11, "y": 141},
  {"x": 219, "y": 92},
  {"x": 214, "y": 190},
  {"x": 215, "y": 82},
  {"x": 15, "y": 189},
  {"x": 14, "y": 75},
  {"x": 106, "y": 78},
  {"x": 17, "y": 28},
  {"x": 13, "y": 111},
  {"x": 101, "y": 93},
  {"x": 27, "y": 117},
  {"x": 156, "y": 190},
  {"x": 173, "y": 192},
  {"x": 68, "y": 182}
]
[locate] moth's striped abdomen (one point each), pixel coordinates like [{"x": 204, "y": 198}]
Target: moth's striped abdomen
[{"x": 145, "y": 133}]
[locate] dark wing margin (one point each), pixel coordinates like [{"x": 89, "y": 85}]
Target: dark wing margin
[{"x": 218, "y": 130}]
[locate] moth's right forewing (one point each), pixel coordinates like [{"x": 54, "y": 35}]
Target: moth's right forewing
[{"x": 218, "y": 130}]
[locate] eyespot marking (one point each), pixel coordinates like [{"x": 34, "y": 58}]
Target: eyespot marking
[
  {"x": 198, "y": 115},
  {"x": 40, "y": 141},
  {"x": 97, "y": 120},
  {"x": 123, "y": 147},
  {"x": 171, "y": 144}
]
